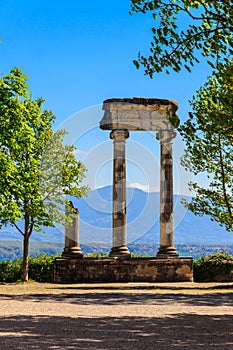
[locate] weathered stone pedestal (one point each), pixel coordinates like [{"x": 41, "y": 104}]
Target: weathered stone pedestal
[{"x": 123, "y": 270}]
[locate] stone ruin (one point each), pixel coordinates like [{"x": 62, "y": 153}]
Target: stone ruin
[{"x": 122, "y": 115}]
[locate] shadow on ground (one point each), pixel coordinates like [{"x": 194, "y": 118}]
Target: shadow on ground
[
  {"x": 212, "y": 299},
  {"x": 105, "y": 333},
  {"x": 160, "y": 286}
]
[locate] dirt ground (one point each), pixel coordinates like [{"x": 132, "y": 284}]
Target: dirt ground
[{"x": 119, "y": 316}]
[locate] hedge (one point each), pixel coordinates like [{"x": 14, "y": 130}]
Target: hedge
[
  {"x": 216, "y": 267},
  {"x": 41, "y": 269}
]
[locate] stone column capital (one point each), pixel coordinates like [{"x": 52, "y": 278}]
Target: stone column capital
[
  {"x": 166, "y": 136},
  {"x": 119, "y": 135}
]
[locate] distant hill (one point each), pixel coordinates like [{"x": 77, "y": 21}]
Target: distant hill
[{"x": 142, "y": 222}]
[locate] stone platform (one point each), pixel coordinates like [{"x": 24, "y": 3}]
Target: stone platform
[{"x": 70, "y": 270}]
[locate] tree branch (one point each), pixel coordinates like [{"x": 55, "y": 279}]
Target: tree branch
[
  {"x": 18, "y": 229},
  {"x": 184, "y": 42},
  {"x": 223, "y": 177}
]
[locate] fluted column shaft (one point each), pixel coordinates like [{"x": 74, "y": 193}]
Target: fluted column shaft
[
  {"x": 72, "y": 248},
  {"x": 119, "y": 240},
  {"x": 166, "y": 249}
]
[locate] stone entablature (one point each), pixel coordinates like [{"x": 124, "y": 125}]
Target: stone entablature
[{"x": 138, "y": 114}]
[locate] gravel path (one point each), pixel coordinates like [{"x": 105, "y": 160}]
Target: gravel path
[{"x": 133, "y": 316}]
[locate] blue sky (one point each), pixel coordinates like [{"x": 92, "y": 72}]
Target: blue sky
[{"x": 78, "y": 54}]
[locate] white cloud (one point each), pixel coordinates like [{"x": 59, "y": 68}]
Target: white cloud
[{"x": 145, "y": 188}]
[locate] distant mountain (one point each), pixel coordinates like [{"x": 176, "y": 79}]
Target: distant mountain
[{"x": 142, "y": 222}]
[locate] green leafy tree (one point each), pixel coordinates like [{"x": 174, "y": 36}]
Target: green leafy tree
[
  {"x": 208, "y": 134},
  {"x": 182, "y": 29},
  {"x": 37, "y": 170}
]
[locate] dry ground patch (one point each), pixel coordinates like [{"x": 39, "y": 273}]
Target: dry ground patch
[{"x": 116, "y": 316}]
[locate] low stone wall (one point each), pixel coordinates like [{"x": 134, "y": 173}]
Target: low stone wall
[{"x": 123, "y": 270}]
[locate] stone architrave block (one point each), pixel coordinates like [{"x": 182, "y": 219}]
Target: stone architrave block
[{"x": 139, "y": 114}]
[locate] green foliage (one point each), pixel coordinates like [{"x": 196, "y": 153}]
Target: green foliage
[
  {"x": 138, "y": 255},
  {"x": 97, "y": 255},
  {"x": 215, "y": 267},
  {"x": 36, "y": 168},
  {"x": 182, "y": 29},
  {"x": 41, "y": 269},
  {"x": 37, "y": 171},
  {"x": 10, "y": 270},
  {"x": 60, "y": 176},
  {"x": 208, "y": 135}
]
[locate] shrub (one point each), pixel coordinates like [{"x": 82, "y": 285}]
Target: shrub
[
  {"x": 10, "y": 270},
  {"x": 41, "y": 269},
  {"x": 97, "y": 255},
  {"x": 213, "y": 268}
]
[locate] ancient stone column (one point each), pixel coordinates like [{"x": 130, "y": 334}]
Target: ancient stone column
[
  {"x": 166, "y": 249},
  {"x": 72, "y": 248},
  {"x": 119, "y": 243}
]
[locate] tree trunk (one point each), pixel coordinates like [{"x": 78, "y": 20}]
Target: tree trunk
[
  {"x": 25, "y": 245},
  {"x": 25, "y": 258}
]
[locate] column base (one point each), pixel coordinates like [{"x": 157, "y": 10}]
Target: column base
[
  {"x": 118, "y": 252},
  {"x": 167, "y": 252},
  {"x": 73, "y": 252}
]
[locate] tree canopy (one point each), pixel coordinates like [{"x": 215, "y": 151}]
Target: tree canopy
[
  {"x": 208, "y": 135},
  {"x": 182, "y": 28},
  {"x": 37, "y": 171}
]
